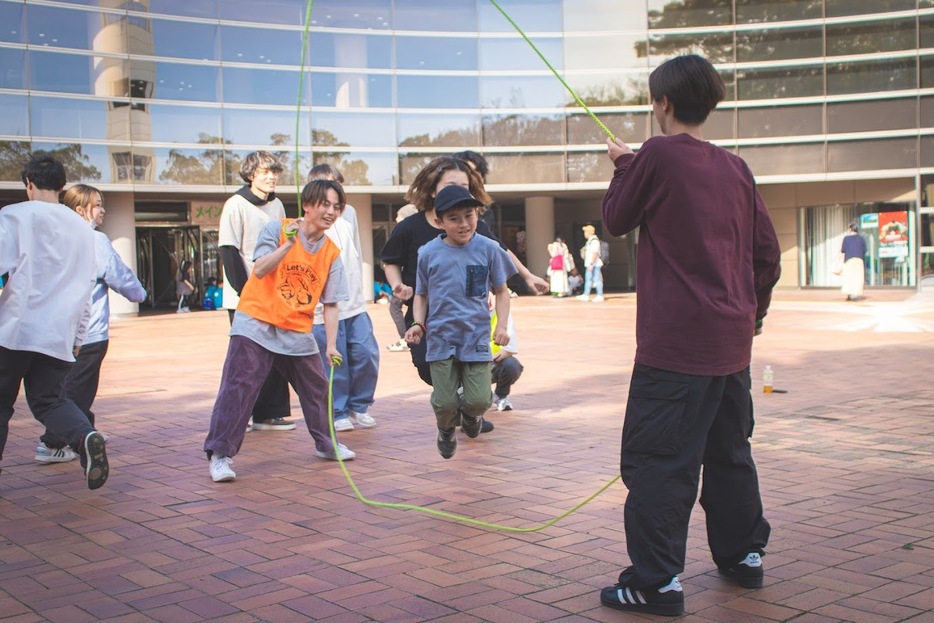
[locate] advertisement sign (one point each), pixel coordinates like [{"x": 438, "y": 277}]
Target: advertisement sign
[
  {"x": 206, "y": 213},
  {"x": 893, "y": 234}
]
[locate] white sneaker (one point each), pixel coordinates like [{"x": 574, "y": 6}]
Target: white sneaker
[
  {"x": 220, "y": 469},
  {"x": 343, "y": 424},
  {"x": 345, "y": 453},
  {"x": 583, "y": 297},
  {"x": 598, "y": 299},
  {"x": 45, "y": 454},
  {"x": 362, "y": 420},
  {"x": 502, "y": 403}
]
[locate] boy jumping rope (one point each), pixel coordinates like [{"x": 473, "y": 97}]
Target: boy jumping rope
[
  {"x": 455, "y": 274},
  {"x": 295, "y": 266}
]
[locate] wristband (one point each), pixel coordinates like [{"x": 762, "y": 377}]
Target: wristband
[
  {"x": 759, "y": 323},
  {"x": 422, "y": 325}
]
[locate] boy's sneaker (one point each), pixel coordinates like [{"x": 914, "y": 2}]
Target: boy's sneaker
[
  {"x": 220, "y": 468},
  {"x": 502, "y": 403},
  {"x": 45, "y": 454},
  {"x": 447, "y": 443},
  {"x": 342, "y": 451},
  {"x": 274, "y": 424},
  {"x": 470, "y": 425},
  {"x": 487, "y": 426},
  {"x": 94, "y": 460},
  {"x": 342, "y": 425},
  {"x": 667, "y": 600},
  {"x": 362, "y": 420},
  {"x": 748, "y": 572}
]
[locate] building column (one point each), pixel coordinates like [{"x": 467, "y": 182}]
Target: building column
[
  {"x": 363, "y": 204},
  {"x": 120, "y": 227},
  {"x": 539, "y": 231}
]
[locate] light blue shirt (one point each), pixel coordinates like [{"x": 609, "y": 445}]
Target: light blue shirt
[{"x": 112, "y": 274}]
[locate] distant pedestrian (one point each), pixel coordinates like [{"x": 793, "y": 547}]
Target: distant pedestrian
[
  {"x": 593, "y": 265},
  {"x": 853, "y": 250},
  {"x": 185, "y": 288},
  {"x": 559, "y": 263}
]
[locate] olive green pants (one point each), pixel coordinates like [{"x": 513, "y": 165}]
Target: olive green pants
[{"x": 447, "y": 377}]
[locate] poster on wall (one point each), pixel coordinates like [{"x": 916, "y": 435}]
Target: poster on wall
[{"x": 893, "y": 234}]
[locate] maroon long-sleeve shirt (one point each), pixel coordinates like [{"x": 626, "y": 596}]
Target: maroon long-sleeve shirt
[{"x": 708, "y": 256}]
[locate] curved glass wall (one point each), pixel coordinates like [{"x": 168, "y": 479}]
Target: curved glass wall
[{"x": 173, "y": 92}]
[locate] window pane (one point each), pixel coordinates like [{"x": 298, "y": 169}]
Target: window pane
[
  {"x": 530, "y": 15},
  {"x": 588, "y": 167},
  {"x": 264, "y": 86},
  {"x": 780, "y": 121},
  {"x": 927, "y": 72},
  {"x": 684, "y": 13},
  {"x": 522, "y": 92},
  {"x": 438, "y": 92},
  {"x": 752, "y": 11},
  {"x": 927, "y": 151},
  {"x": 513, "y": 54},
  {"x": 269, "y": 11},
  {"x": 612, "y": 89},
  {"x": 784, "y": 159},
  {"x": 260, "y": 45},
  {"x": 192, "y": 166},
  {"x": 527, "y": 168},
  {"x": 65, "y": 73},
  {"x": 184, "y": 39},
  {"x": 357, "y": 129},
  {"x": 716, "y": 47},
  {"x": 11, "y": 22},
  {"x": 836, "y": 8},
  {"x": 757, "y": 84},
  {"x": 504, "y": 130},
  {"x": 871, "y": 116},
  {"x": 361, "y": 168},
  {"x": 68, "y": 118},
  {"x": 630, "y": 127},
  {"x": 265, "y": 127},
  {"x": 177, "y": 81},
  {"x": 83, "y": 163},
  {"x": 13, "y": 154},
  {"x": 591, "y": 15},
  {"x": 348, "y": 90},
  {"x": 12, "y": 63},
  {"x": 927, "y": 113},
  {"x": 181, "y": 124},
  {"x": 364, "y": 14},
  {"x": 14, "y": 115},
  {"x": 436, "y": 53},
  {"x": 590, "y": 52},
  {"x": 184, "y": 8},
  {"x": 61, "y": 27},
  {"x": 458, "y": 15},
  {"x": 869, "y": 155},
  {"x": 926, "y": 23},
  {"x": 777, "y": 44},
  {"x": 719, "y": 125},
  {"x": 453, "y": 131},
  {"x": 871, "y": 38},
  {"x": 285, "y": 154},
  {"x": 347, "y": 50},
  {"x": 869, "y": 77}
]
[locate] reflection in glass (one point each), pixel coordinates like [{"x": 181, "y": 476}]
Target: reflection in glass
[
  {"x": 65, "y": 73},
  {"x": 612, "y": 89},
  {"x": 781, "y": 82},
  {"x": 260, "y": 45},
  {"x": 347, "y": 90},
  {"x": 437, "y": 92},
  {"x": 590, "y": 52},
  {"x": 521, "y": 92},
  {"x": 357, "y": 129},
  {"x": 527, "y": 168},
  {"x": 362, "y": 14},
  {"x": 457, "y": 16},
  {"x": 14, "y": 115},
  {"x": 285, "y": 154},
  {"x": 83, "y": 163},
  {"x": 752, "y": 11},
  {"x": 784, "y": 159},
  {"x": 715, "y": 47},
  {"x": 871, "y": 37},
  {"x": 62, "y": 27},
  {"x": 132, "y": 166},
  {"x": 589, "y": 167},
  {"x": 12, "y": 156},
  {"x": 778, "y": 44},
  {"x": 436, "y": 52},
  {"x": 516, "y": 54},
  {"x": 185, "y": 39},
  {"x": 251, "y": 126},
  {"x": 184, "y": 8},
  {"x": 837, "y": 8},
  {"x": 927, "y": 72},
  {"x": 453, "y": 130},
  {"x": 531, "y": 15},
  {"x": 685, "y": 13},
  {"x": 631, "y": 127},
  {"x": 868, "y": 77},
  {"x": 263, "y": 86},
  {"x": 11, "y": 22},
  {"x": 872, "y": 155},
  {"x": 719, "y": 125},
  {"x": 504, "y": 130},
  {"x": 183, "y": 124},
  {"x": 776, "y": 121},
  {"x": 871, "y": 116},
  {"x": 354, "y": 51},
  {"x": 273, "y": 11},
  {"x": 926, "y": 25},
  {"x": 927, "y": 151},
  {"x": 361, "y": 168},
  {"x": 927, "y": 112},
  {"x": 189, "y": 82},
  {"x": 70, "y": 118},
  {"x": 594, "y": 15},
  {"x": 411, "y": 163},
  {"x": 201, "y": 167}
]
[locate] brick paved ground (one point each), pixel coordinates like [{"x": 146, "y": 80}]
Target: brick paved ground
[{"x": 846, "y": 461}]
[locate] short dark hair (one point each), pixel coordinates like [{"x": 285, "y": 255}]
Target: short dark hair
[
  {"x": 45, "y": 172},
  {"x": 691, "y": 84},
  {"x": 478, "y": 161},
  {"x": 324, "y": 171},
  {"x": 316, "y": 191},
  {"x": 258, "y": 160}
]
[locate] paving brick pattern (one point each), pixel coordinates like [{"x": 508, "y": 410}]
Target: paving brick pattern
[{"x": 846, "y": 462}]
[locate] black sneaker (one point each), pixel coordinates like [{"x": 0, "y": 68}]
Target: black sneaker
[
  {"x": 667, "y": 600},
  {"x": 471, "y": 425},
  {"x": 447, "y": 443},
  {"x": 94, "y": 460},
  {"x": 487, "y": 426},
  {"x": 748, "y": 572}
]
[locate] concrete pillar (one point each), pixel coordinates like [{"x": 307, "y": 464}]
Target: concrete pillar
[
  {"x": 539, "y": 231},
  {"x": 363, "y": 204},
  {"x": 120, "y": 227}
]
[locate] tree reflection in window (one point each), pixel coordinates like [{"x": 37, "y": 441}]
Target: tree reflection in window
[{"x": 78, "y": 167}]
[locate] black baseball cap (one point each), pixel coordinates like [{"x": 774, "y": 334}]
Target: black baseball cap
[{"x": 453, "y": 197}]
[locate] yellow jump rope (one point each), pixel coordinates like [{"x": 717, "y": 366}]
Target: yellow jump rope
[{"x": 337, "y": 360}]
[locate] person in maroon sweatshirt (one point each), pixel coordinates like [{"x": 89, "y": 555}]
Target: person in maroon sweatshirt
[{"x": 708, "y": 258}]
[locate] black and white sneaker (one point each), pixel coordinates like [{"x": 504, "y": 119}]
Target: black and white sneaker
[
  {"x": 471, "y": 425},
  {"x": 447, "y": 443},
  {"x": 667, "y": 600},
  {"x": 748, "y": 572},
  {"x": 94, "y": 455}
]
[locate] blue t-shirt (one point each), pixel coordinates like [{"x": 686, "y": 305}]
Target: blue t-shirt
[{"x": 457, "y": 281}]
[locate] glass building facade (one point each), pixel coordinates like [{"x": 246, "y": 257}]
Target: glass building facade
[{"x": 157, "y": 101}]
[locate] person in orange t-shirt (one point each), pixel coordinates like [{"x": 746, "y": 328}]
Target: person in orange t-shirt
[{"x": 295, "y": 266}]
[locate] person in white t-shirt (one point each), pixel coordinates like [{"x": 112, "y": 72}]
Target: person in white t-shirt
[
  {"x": 593, "y": 277},
  {"x": 49, "y": 253}
]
